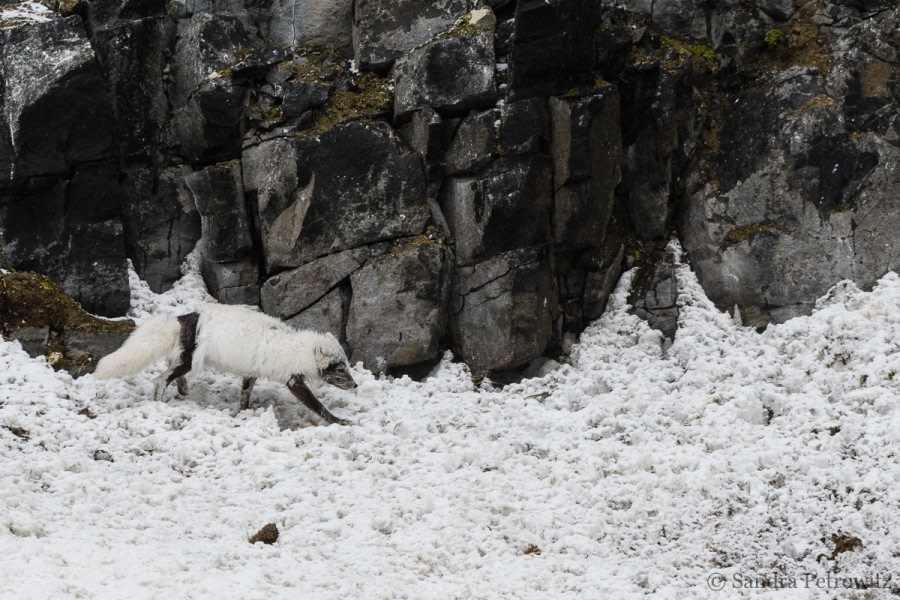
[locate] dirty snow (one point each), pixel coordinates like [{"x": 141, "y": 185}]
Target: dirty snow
[{"x": 732, "y": 460}]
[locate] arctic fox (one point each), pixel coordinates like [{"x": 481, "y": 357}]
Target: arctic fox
[{"x": 236, "y": 340}]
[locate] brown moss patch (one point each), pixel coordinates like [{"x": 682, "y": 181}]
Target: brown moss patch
[
  {"x": 371, "y": 99},
  {"x": 32, "y": 300},
  {"x": 743, "y": 234}
]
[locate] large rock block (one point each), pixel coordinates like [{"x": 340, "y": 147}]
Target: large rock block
[
  {"x": 162, "y": 224},
  {"x": 659, "y": 130},
  {"x": 312, "y": 23},
  {"x": 384, "y": 30},
  {"x": 398, "y": 311},
  {"x": 133, "y": 56},
  {"x": 452, "y": 75},
  {"x": 506, "y": 208},
  {"x": 474, "y": 145},
  {"x": 219, "y": 197},
  {"x": 326, "y": 315},
  {"x": 232, "y": 282},
  {"x": 53, "y": 100},
  {"x": 524, "y": 127},
  {"x": 503, "y": 311},
  {"x": 207, "y": 104},
  {"x": 587, "y": 154},
  {"x": 553, "y": 46},
  {"x": 793, "y": 208},
  {"x": 351, "y": 186},
  {"x": 70, "y": 230},
  {"x": 290, "y": 292}
]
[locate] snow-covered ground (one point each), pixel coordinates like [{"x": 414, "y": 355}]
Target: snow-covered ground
[{"x": 734, "y": 458}]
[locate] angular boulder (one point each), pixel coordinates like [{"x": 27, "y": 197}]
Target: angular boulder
[
  {"x": 353, "y": 185},
  {"x": 553, "y": 46},
  {"x": 301, "y": 96},
  {"x": 398, "y": 310},
  {"x": 587, "y": 154},
  {"x": 218, "y": 194},
  {"x": 451, "y": 75},
  {"x": 325, "y": 23},
  {"x": 232, "y": 282},
  {"x": 507, "y": 207},
  {"x": 290, "y": 292},
  {"x": 524, "y": 127},
  {"x": 162, "y": 224},
  {"x": 384, "y": 30},
  {"x": 503, "y": 311},
  {"x": 473, "y": 146},
  {"x": 325, "y": 315}
]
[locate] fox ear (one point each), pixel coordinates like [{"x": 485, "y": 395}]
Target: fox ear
[
  {"x": 330, "y": 336},
  {"x": 319, "y": 352}
]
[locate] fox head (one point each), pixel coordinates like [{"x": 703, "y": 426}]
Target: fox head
[{"x": 332, "y": 363}]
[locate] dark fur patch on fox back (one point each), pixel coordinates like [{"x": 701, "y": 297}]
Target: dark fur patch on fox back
[{"x": 188, "y": 339}]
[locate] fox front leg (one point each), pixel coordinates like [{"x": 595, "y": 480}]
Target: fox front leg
[{"x": 298, "y": 387}]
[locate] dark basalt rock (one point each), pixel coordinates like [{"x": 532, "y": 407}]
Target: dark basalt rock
[
  {"x": 322, "y": 23},
  {"x": 327, "y": 314},
  {"x": 587, "y": 154},
  {"x": 218, "y": 195},
  {"x": 54, "y": 107},
  {"x": 423, "y": 132},
  {"x": 384, "y": 31},
  {"x": 452, "y": 76},
  {"x": 398, "y": 310},
  {"x": 503, "y": 310},
  {"x": 553, "y": 46},
  {"x": 506, "y": 208},
  {"x": 351, "y": 186},
  {"x": 291, "y": 292},
  {"x": 473, "y": 146},
  {"x": 133, "y": 58},
  {"x": 232, "y": 282},
  {"x": 70, "y": 230},
  {"x": 302, "y": 96},
  {"x": 162, "y": 224},
  {"x": 524, "y": 127},
  {"x": 207, "y": 103}
]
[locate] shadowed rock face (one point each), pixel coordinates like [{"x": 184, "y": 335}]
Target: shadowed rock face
[
  {"x": 351, "y": 186},
  {"x": 384, "y": 30},
  {"x": 414, "y": 177},
  {"x": 60, "y": 195}
]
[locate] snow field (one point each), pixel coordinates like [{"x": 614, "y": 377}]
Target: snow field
[{"x": 631, "y": 472}]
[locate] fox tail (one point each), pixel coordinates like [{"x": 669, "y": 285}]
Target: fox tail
[{"x": 156, "y": 339}]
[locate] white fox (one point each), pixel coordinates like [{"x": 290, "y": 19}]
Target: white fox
[{"x": 236, "y": 340}]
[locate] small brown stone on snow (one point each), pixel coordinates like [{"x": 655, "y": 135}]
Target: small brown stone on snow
[{"x": 267, "y": 535}]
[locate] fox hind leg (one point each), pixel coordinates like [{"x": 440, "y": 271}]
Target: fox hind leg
[{"x": 246, "y": 387}]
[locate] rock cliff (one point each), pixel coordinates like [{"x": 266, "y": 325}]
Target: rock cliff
[{"x": 471, "y": 174}]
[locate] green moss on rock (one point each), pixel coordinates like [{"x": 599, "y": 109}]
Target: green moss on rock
[{"x": 32, "y": 300}]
